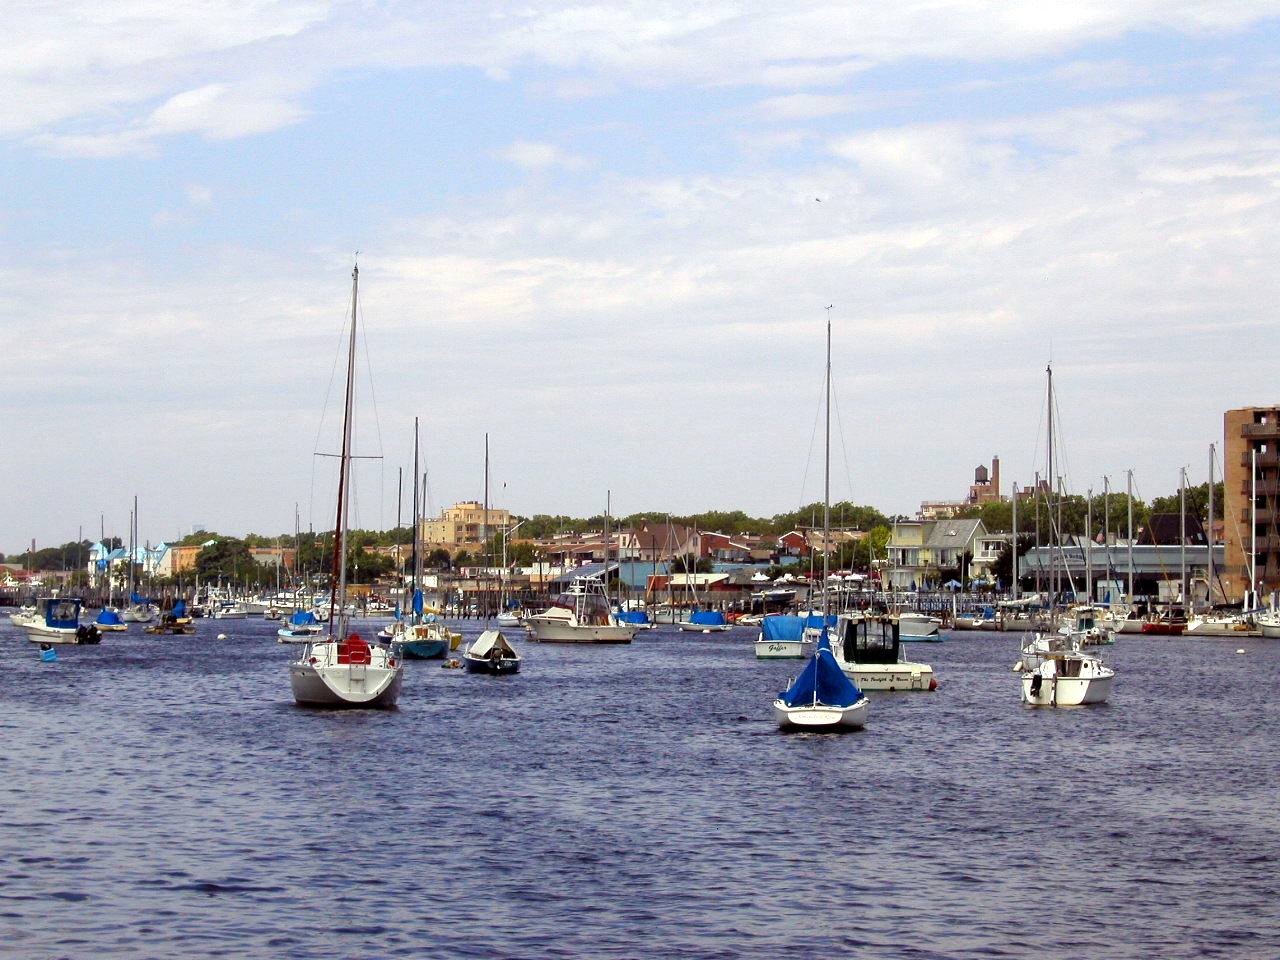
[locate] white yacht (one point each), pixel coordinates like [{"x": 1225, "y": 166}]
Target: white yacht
[
  {"x": 1056, "y": 672},
  {"x": 868, "y": 652},
  {"x": 917, "y": 626},
  {"x": 1224, "y": 625},
  {"x": 231, "y": 610},
  {"x": 57, "y": 620},
  {"x": 582, "y": 614},
  {"x": 1269, "y": 624}
]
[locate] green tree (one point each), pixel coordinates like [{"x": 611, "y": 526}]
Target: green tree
[
  {"x": 1197, "y": 501},
  {"x": 686, "y": 563},
  {"x": 227, "y": 557}
]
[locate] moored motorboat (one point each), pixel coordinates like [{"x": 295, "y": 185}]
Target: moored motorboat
[
  {"x": 1224, "y": 625},
  {"x": 581, "y": 614},
  {"x": 782, "y": 637},
  {"x": 867, "y": 650},
  {"x": 1269, "y": 624},
  {"x": 491, "y": 652},
  {"x": 914, "y": 626},
  {"x": 57, "y": 620}
]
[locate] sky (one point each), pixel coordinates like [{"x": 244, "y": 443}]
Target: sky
[{"x": 606, "y": 234}]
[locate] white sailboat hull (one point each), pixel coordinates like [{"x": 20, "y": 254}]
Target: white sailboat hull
[
  {"x": 820, "y": 716},
  {"x": 1067, "y": 691},
  {"x": 1270, "y": 628},
  {"x": 1221, "y": 628},
  {"x": 784, "y": 649},
  {"x": 139, "y": 613},
  {"x": 345, "y": 685}
]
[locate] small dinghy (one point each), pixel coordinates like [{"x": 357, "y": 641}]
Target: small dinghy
[
  {"x": 491, "y": 653},
  {"x": 822, "y": 698},
  {"x": 705, "y": 621},
  {"x": 176, "y": 622},
  {"x": 299, "y": 628}
]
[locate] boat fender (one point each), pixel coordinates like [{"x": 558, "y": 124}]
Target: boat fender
[{"x": 1017, "y": 667}]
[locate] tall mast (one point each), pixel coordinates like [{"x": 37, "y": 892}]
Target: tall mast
[
  {"x": 826, "y": 488},
  {"x": 1049, "y": 479},
  {"x": 1253, "y": 523},
  {"x": 1182, "y": 534},
  {"x": 1106, "y": 528},
  {"x": 1209, "y": 537},
  {"x": 608, "y": 506},
  {"x": 484, "y": 527},
  {"x": 1088, "y": 536},
  {"x": 1015, "y": 541},
  {"x": 1129, "y": 497},
  {"x": 338, "y": 592},
  {"x": 416, "y": 554}
]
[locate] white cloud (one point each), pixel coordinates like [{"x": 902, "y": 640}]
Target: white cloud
[
  {"x": 534, "y": 156},
  {"x": 99, "y": 80}
]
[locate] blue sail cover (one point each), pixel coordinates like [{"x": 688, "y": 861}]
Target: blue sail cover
[
  {"x": 813, "y": 621},
  {"x": 707, "y": 618},
  {"x": 109, "y": 618},
  {"x": 302, "y": 618},
  {"x": 632, "y": 616},
  {"x": 782, "y": 628},
  {"x": 179, "y": 609},
  {"x": 822, "y": 682},
  {"x": 417, "y": 602}
]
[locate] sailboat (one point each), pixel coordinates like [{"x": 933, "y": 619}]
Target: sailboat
[
  {"x": 140, "y": 609},
  {"x": 345, "y": 670},
  {"x": 418, "y": 638},
  {"x": 491, "y": 652},
  {"x": 1056, "y": 672},
  {"x": 822, "y": 697}
]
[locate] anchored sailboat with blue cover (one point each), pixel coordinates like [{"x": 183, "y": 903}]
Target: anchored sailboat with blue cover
[{"x": 822, "y": 697}]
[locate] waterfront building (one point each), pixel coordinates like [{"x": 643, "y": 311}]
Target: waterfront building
[
  {"x": 463, "y": 526},
  {"x": 1252, "y": 527},
  {"x": 1157, "y": 568},
  {"x": 925, "y": 552}
]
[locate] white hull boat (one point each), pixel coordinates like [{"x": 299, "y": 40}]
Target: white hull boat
[
  {"x": 785, "y": 649},
  {"x": 917, "y": 625},
  {"x": 325, "y": 676},
  {"x": 140, "y": 613},
  {"x": 1056, "y": 673},
  {"x": 1270, "y": 626},
  {"x": 1223, "y": 627},
  {"x": 820, "y": 716},
  {"x": 582, "y": 614},
  {"x": 508, "y": 618},
  {"x": 555, "y": 630},
  {"x": 867, "y": 649},
  {"x": 231, "y": 611},
  {"x": 891, "y": 677},
  {"x": 688, "y": 627}
]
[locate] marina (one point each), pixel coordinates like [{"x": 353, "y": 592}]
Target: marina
[{"x": 163, "y": 799}]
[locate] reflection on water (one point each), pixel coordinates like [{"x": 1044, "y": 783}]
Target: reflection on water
[{"x": 162, "y": 796}]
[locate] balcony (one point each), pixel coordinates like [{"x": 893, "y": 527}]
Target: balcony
[
  {"x": 1269, "y": 459},
  {"x": 1262, "y": 516},
  {"x": 1257, "y": 431},
  {"x": 1265, "y": 488}
]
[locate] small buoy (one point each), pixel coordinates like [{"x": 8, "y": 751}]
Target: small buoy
[
  {"x": 222, "y": 636},
  {"x": 1017, "y": 667},
  {"x": 1241, "y": 650}
]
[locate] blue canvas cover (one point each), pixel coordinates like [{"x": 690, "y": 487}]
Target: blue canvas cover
[
  {"x": 302, "y": 618},
  {"x": 632, "y": 616},
  {"x": 179, "y": 609},
  {"x": 782, "y": 628},
  {"x": 417, "y": 602},
  {"x": 814, "y": 621},
  {"x": 134, "y": 598},
  {"x": 822, "y": 682},
  {"x": 707, "y": 618},
  {"x": 109, "y": 618}
]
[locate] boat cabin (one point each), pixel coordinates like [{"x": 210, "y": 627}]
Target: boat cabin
[{"x": 869, "y": 639}]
